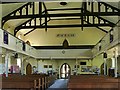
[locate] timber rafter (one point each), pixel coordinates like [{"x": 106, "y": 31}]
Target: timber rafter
[{"x": 84, "y": 15}]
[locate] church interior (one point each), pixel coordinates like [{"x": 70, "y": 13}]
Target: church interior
[{"x": 61, "y": 45}]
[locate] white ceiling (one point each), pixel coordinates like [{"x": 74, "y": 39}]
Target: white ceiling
[
  {"x": 7, "y": 8},
  {"x": 39, "y": 37},
  {"x": 88, "y": 36}
]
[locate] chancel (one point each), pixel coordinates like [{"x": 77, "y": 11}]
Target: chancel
[{"x": 49, "y": 45}]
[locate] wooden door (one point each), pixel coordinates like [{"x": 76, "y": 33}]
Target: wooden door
[
  {"x": 28, "y": 69},
  {"x": 102, "y": 69}
]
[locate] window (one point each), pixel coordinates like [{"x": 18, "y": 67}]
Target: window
[
  {"x": 50, "y": 66},
  {"x": 82, "y": 63},
  {"x": 19, "y": 62},
  {"x": 45, "y": 66}
]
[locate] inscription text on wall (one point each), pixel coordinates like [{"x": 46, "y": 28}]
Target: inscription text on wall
[{"x": 65, "y": 35}]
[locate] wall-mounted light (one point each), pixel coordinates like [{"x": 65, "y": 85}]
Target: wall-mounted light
[
  {"x": 3, "y": 55},
  {"x": 104, "y": 55},
  {"x": 111, "y": 36},
  {"x": 99, "y": 46}
]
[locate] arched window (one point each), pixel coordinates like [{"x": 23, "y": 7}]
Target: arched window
[
  {"x": 65, "y": 71},
  {"x": 65, "y": 43}
]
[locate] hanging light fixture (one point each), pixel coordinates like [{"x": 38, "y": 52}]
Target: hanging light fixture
[{"x": 63, "y": 3}]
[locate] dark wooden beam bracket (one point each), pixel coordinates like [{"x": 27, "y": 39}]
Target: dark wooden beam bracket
[{"x": 84, "y": 15}]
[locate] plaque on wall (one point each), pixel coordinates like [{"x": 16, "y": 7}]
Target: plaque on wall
[
  {"x": 111, "y": 37},
  {"x": 24, "y": 46},
  {"x": 5, "y": 38}
]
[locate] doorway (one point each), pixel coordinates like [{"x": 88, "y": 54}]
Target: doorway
[
  {"x": 65, "y": 71},
  {"x": 102, "y": 69},
  {"x": 28, "y": 69}
]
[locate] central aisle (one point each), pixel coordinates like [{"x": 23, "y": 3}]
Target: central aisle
[{"x": 60, "y": 84}]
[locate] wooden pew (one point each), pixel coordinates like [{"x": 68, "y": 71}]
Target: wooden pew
[
  {"x": 27, "y": 82},
  {"x": 17, "y": 84},
  {"x": 92, "y": 82},
  {"x": 38, "y": 82}
]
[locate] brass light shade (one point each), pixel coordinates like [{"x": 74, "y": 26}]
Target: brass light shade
[{"x": 63, "y": 3}]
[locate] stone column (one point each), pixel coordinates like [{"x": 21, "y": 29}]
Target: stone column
[
  {"x": 22, "y": 65},
  {"x": 7, "y": 57},
  {"x": 105, "y": 67},
  {"x": 115, "y": 58}
]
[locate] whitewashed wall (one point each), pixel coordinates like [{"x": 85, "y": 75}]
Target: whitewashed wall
[
  {"x": 15, "y": 45},
  {"x": 105, "y": 44}
]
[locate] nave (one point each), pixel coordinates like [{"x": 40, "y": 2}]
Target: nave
[
  {"x": 60, "y": 45},
  {"x": 74, "y": 82},
  {"x": 60, "y": 84}
]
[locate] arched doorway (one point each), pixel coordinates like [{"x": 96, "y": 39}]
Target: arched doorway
[
  {"x": 28, "y": 69},
  {"x": 65, "y": 71},
  {"x": 102, "y": 69}
]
